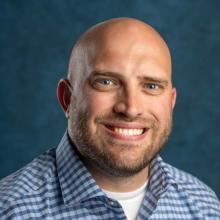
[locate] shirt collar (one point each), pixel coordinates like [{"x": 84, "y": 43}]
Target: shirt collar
[
  {"x": 160, "y": 178},
  {"x": 75, "y": 181}
]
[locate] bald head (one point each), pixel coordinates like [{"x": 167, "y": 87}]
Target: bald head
[{"x": 127, "y": 35}]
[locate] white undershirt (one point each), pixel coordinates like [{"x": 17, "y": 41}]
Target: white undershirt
[{"x": 130, "y": 201}]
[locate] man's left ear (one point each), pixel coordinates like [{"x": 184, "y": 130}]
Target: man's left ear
[
  {"x": 64, "y": 95},
  {"x": 174, "y": 94}
]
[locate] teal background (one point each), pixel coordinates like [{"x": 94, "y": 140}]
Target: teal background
[{"x": 36, "y": 38}]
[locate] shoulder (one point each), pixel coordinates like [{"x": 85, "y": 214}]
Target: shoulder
[
  {"x": 195, "y": 191},
  {"x": 27, "y": 179}
]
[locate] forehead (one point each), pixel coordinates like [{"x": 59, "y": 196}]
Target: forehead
[
  {"x": 129, "y": 56},
  {"x": 125, "y": 48}
]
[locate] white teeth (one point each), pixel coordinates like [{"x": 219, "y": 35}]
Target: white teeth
[{"x": 128, "y": 132}]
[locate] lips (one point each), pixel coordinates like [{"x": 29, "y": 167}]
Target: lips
[{"x": 126, "y": 131}]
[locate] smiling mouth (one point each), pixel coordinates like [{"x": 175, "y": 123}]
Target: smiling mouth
[{"x": 127, "y": 131}]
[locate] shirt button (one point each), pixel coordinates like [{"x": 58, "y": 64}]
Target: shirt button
[{"x": 110, "y": 202}]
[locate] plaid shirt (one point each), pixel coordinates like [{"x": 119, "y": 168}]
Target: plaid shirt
[{"x": 57, "y": 185}]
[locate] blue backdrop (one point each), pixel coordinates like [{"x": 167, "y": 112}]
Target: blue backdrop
[{"x": 36, "y": 38}]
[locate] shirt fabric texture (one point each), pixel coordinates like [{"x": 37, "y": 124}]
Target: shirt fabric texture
[{"x": 57, "y": 185}]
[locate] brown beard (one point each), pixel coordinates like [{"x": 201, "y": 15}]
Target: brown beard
[{"x": 91, "y": 149}]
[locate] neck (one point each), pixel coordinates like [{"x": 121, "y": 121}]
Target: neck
[{"x": 118, "y": 184}]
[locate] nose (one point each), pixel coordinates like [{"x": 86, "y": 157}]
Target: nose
[{"x": 129, "y": 103}]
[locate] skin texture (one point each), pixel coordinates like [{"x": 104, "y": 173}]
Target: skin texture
[{"x": 119, "y": 78}]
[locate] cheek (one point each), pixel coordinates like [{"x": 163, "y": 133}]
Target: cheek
[
  {"x": 98, "y": 104},
  {"x": 162, "y": 109}
]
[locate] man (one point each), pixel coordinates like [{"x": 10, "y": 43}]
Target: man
[{"x": 118, "y": 99}]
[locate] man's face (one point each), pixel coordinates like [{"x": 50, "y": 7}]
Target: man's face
[{"x": 121, "y": 114}]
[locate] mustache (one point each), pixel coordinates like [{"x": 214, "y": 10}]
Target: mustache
[{"x": 120, "y": 118}]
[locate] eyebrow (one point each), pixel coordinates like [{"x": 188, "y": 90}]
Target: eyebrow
[
  {"x": 104, "y": 73},
  {"x": 154, "y": 79}
]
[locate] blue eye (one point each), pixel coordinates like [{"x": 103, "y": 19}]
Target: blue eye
[
  {"x": 152, "y": 86},
  {"x": 105, "y": 81},
  {"x": 104, "y": 84}
]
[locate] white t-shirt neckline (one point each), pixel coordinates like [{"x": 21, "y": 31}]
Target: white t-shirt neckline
[{"x": 130, "y": 201}]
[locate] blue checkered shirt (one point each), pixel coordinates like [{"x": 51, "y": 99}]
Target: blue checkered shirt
[{"x": 57, "y": 185}]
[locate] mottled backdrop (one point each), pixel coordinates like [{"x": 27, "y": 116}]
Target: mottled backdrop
[{"x": 35, "y": 42}]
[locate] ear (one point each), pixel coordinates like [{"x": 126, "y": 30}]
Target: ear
[
  {"x": 64, "y": 95},
  {"x": 174, "y": 94}
]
